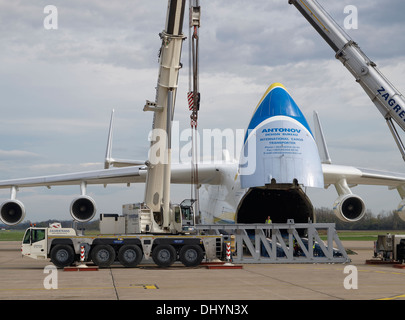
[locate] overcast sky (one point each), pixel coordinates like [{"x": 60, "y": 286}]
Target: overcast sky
[{"x": 58, "y": 87}]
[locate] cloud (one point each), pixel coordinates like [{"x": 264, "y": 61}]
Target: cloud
[{"x": 15, "y": 155}]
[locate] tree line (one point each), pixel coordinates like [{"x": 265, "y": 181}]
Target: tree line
[{"x": 382, "y": 221}]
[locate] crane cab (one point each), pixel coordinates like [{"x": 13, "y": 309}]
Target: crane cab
[{"x": 184, "y": 219}]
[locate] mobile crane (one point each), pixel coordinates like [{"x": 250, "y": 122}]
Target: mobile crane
[
  {"x": 388, "y": 100},
  {"x": 157, "y": 188},
  {"x": 154, "y": 227}
]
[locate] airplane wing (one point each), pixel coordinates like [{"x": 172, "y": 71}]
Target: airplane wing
[
  {"x": 208, "y": 174},
  {"x": 83, "y": 208},
  {"x": 355, "y": 176},
  {"x": 132, "y": 174},
  {"x": 345, "y": 177},
  {"x": 118, "y": 175},
  {"x": 340, "y": 176},
  {"x": 333, "y": 174}
]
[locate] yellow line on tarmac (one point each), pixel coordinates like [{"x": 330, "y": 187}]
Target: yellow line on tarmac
[{"x": 393, "y": 298}]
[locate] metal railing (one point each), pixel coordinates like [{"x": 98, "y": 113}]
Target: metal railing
[{"x": 283, "y": 242}]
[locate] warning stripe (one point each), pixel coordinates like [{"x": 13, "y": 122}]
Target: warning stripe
[{"x": 190, "y": 98}]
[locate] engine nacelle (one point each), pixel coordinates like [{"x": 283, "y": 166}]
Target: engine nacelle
[
  {"x": 349, "y": 208},
  {"x": 12, "y": 212},
  {"x": 401, "y": 210},
  {"x": 83, "y": 209}
]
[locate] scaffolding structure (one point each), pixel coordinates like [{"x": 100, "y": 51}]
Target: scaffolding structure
[{"x": 282, "y": 242}]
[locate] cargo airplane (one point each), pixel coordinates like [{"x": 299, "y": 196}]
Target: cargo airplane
[{"x": 279, "y": 158}]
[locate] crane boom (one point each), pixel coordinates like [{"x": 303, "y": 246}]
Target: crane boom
[
  {"x": 388, "y": 100},
  {"x": 157, "y": 188}
]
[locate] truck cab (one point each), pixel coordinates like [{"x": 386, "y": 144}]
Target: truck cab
[{"x": 34, "y": 243}]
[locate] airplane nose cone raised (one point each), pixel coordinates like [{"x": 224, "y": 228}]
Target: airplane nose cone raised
[
  {"x": 279, "y": 146},
  {"x": 277, "y": 102}
]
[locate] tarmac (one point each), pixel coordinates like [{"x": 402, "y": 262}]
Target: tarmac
[{"x": 29, "y": 279}]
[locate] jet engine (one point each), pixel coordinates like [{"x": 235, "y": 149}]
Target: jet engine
[
  {"x": 83, "y": 208},
  {"x": 12, "y": 212},
  {"x": 349, "y": 208}
]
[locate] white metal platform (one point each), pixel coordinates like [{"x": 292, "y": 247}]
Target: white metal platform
[{"x": 293, "y": 243}]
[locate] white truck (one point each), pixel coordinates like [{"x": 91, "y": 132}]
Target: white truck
[{"x": 120, "y": 241}]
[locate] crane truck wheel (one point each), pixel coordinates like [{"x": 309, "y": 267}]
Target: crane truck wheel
[
  {"x": 191, "y": 256},
  {"x": 164, "y": 255},
  {"x": 130, "y": 256},
  {"x": 62, "y": 255},
  {"x": 103, "y": 255}
]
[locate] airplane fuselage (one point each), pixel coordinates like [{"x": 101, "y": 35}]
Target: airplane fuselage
[
  {"x": 279, "y": 156},
  {"x": 227, "y": 202}
]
